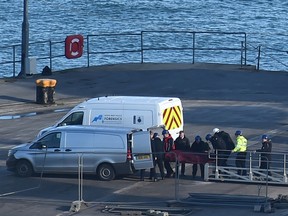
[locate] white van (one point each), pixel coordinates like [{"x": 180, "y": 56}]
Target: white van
[
  {"x": 105, "y": 151},
  {"x": 127, "y": 111}
]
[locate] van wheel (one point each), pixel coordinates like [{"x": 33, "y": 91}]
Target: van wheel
[
  {"x": 105, "y": 172},
  {"x": 24, "y": 168}
]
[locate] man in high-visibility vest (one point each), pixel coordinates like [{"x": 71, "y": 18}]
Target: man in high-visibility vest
[{"x": 240, "y": 149}]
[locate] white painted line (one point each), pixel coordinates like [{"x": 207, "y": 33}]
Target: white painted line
[
  {"x": 19, "y": 191},
  {"x": 138, "y": 184},
  {"x": 7, "y": 146}
]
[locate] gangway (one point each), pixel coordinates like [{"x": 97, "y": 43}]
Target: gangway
[{"x": 276, "y": 174}]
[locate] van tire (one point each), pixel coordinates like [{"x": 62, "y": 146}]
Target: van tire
[
  {"x": 105, "y": 172},
  {"x": 24, "y": 168}
]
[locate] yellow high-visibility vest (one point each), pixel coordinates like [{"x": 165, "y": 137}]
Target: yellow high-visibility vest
[{"x": 241, "y": 144}]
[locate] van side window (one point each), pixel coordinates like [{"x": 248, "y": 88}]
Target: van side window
[
  {"x": 75, "y": 118},
  {"x": 75, "y": 140},
  {"x": 51, "y": 140}
]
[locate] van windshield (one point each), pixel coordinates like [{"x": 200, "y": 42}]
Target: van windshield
[{"x": 75, "y": 118}]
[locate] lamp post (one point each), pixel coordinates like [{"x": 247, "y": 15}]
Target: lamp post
[{"x": 25, "y": 41}]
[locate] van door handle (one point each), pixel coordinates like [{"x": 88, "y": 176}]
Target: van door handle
[
  {"x": 57, "y": 150},
  {"x": 68, "y": 150}
]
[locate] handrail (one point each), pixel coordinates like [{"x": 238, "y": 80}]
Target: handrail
[
  {"x": 134, "y": 47},
  {"x": 278, "y": 166},
  {"x": 175, "y": 47}
]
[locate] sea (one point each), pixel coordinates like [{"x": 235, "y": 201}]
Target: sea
[{"x": 264, "y": 21}]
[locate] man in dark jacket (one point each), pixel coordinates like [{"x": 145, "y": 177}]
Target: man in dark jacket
[
  {"x": 223, "y": 143},
  {"x": 201, "y": 147},
  {"x": 168, "y": 143},
  {"x": 182, "y": 143},
  {"x": 158, "y": 155},
  {"x": 265, "y": 153}
]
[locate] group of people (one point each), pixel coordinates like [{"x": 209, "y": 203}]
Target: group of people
[{"x": 220, "y": 142}]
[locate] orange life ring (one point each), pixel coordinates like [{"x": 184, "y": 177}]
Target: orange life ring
[{"x": 74, "y": 46}]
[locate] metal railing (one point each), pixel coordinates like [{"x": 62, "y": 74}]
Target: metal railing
[
  {"x": 142, "y": 47},
  {"x": 174, "y": 42},
  {"x": 146, "y": 47},
  {"x": 277, "y": 169},
  {"x": 44, "y": 50},
  {"x": 268, "y": 52}
]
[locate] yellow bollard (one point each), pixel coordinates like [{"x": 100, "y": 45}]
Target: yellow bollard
[{"x": 45, "y": 90}]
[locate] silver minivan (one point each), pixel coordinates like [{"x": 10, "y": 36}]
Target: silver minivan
[{"x": 104, "y": 151}]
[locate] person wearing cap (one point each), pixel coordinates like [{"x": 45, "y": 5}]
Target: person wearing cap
[
  {"x": 201, "y": 147},
  {"x": 240, "y": 149},
  {"x": 168, "y": 143},
  {"x": 157, "y": 150},
  {"x": 265, "y": 153},
  {"x": 223, "y": 143},
  {"x": 182, "y": 143}
]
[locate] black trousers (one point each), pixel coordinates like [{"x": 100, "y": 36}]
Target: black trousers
[
  {"x": 182, "y": 170},
  {"x": 223, "y": 157},
  {"x": 168, "y": 168},
  {"x": 195, "y": 168},
  {"x": 240, "y": 162},
  {"x": 159, "y": 163}
]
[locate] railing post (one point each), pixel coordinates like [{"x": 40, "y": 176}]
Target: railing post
[
  {"x": 176, "y": 178},
  {"x": 88, "y": 56},
  {"x": 193, "y": 48},
  {"x": 245, "y": 48},
  {"x": 142, "y": 52},
  {"x": 258, "y": 58},
  {"x": 241, "y": 60},
  {"x": 216, "y": 166},
  {"x": 267, "y": 176},
  {"x": 76, "y": 205},
  {"x": 250, "y": 167},
  {"x": 206, "y": 172},
  {"x": 50, "y": 54},
  {"x": 284, "y": 169},
  {"x": 14, "y": 59},
  {"x": 80, "y": 177}
]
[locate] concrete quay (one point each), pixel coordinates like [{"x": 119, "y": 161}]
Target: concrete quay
[
  {"x": 140, "y": 79},
  {"x": 213, "y": 95}
]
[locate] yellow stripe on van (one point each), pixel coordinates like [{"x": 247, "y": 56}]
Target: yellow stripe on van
[{"x": 172, "y": 117}]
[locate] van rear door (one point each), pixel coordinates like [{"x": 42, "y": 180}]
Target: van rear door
[
  {"x": 172, "y": 117},
  {"x": 141, "y": 150}
]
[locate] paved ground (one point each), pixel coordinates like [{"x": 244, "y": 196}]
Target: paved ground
[
  {"x": 224, "y": 96},
  {"x": 116, "y": 79}
]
